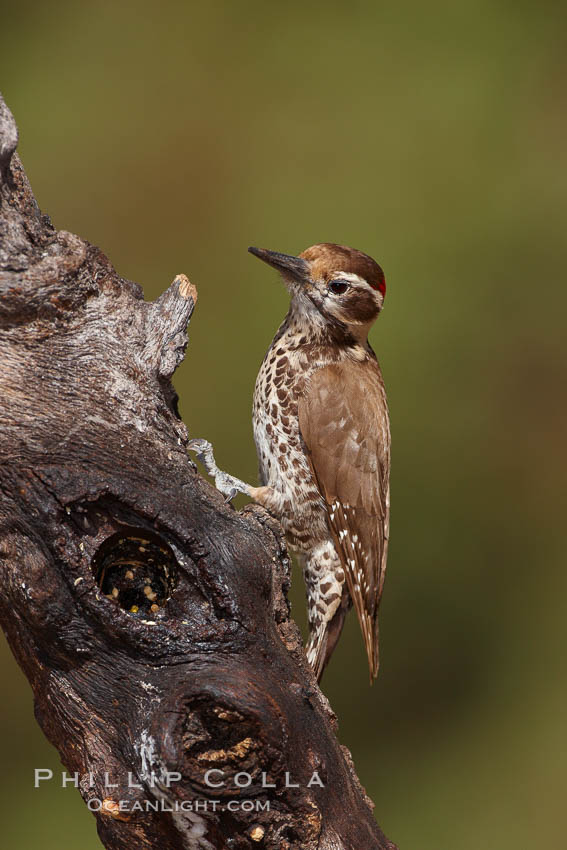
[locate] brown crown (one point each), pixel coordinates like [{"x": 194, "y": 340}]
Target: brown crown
[{"x": 328, "y": 258}]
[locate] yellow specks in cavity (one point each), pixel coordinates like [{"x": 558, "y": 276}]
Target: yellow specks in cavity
[
  {"x": 234, "y": 754},
  {"x": 134, "y": 609},
  {"x": 226, "y": 714},
  {"x": 257, "y": 833}
]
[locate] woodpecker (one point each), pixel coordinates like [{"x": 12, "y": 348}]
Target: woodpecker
[{"x": 322, "y": 435}]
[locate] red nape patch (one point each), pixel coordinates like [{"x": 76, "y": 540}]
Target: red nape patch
[{"x": 379, "y": 285}]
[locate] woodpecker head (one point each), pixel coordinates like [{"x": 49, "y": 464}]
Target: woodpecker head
[{"x": 332, "y": 285}]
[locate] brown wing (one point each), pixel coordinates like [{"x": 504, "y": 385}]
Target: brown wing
[{"x": 343, "y": 419}]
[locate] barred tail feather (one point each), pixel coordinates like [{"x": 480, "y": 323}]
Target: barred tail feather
[
  {"x": 316, "y": 650},
  {"x": 323, "y": 640}
]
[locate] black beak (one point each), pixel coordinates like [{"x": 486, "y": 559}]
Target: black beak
[{"x": 295, "y": 267}]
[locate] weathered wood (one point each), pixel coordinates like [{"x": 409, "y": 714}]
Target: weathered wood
[{"x": 150, "y": 618}]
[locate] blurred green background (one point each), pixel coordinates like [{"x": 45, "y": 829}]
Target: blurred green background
[{"x": 432, "y": 136}]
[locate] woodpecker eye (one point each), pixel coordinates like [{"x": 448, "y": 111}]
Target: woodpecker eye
[{"x": 338, "y": 287}]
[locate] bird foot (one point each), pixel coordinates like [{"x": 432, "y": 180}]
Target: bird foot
[{"x": 227, "y": 484}]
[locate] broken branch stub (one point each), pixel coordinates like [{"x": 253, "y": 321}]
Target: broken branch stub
[{"x": 149, "y": 617}]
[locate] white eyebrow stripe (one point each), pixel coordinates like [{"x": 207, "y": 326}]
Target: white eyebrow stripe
[{"x": 350, "y": 276}]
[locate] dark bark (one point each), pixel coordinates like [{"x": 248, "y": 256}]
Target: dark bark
[{"x": 103, "y": 512}]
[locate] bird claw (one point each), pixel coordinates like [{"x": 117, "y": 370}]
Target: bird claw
[
  {"x": 199, "y": 446},
  {"x": 230, "y": 495},
  {"x": 227, "y": 484}
]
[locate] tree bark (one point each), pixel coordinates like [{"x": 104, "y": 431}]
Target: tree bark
[{"x": 150, "y": 618}]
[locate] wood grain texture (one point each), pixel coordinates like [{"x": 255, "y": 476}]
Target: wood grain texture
[{"x": 91, "y": 447}]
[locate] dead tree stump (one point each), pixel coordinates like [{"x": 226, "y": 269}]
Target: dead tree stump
[{"x": 150, "y": 618}]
